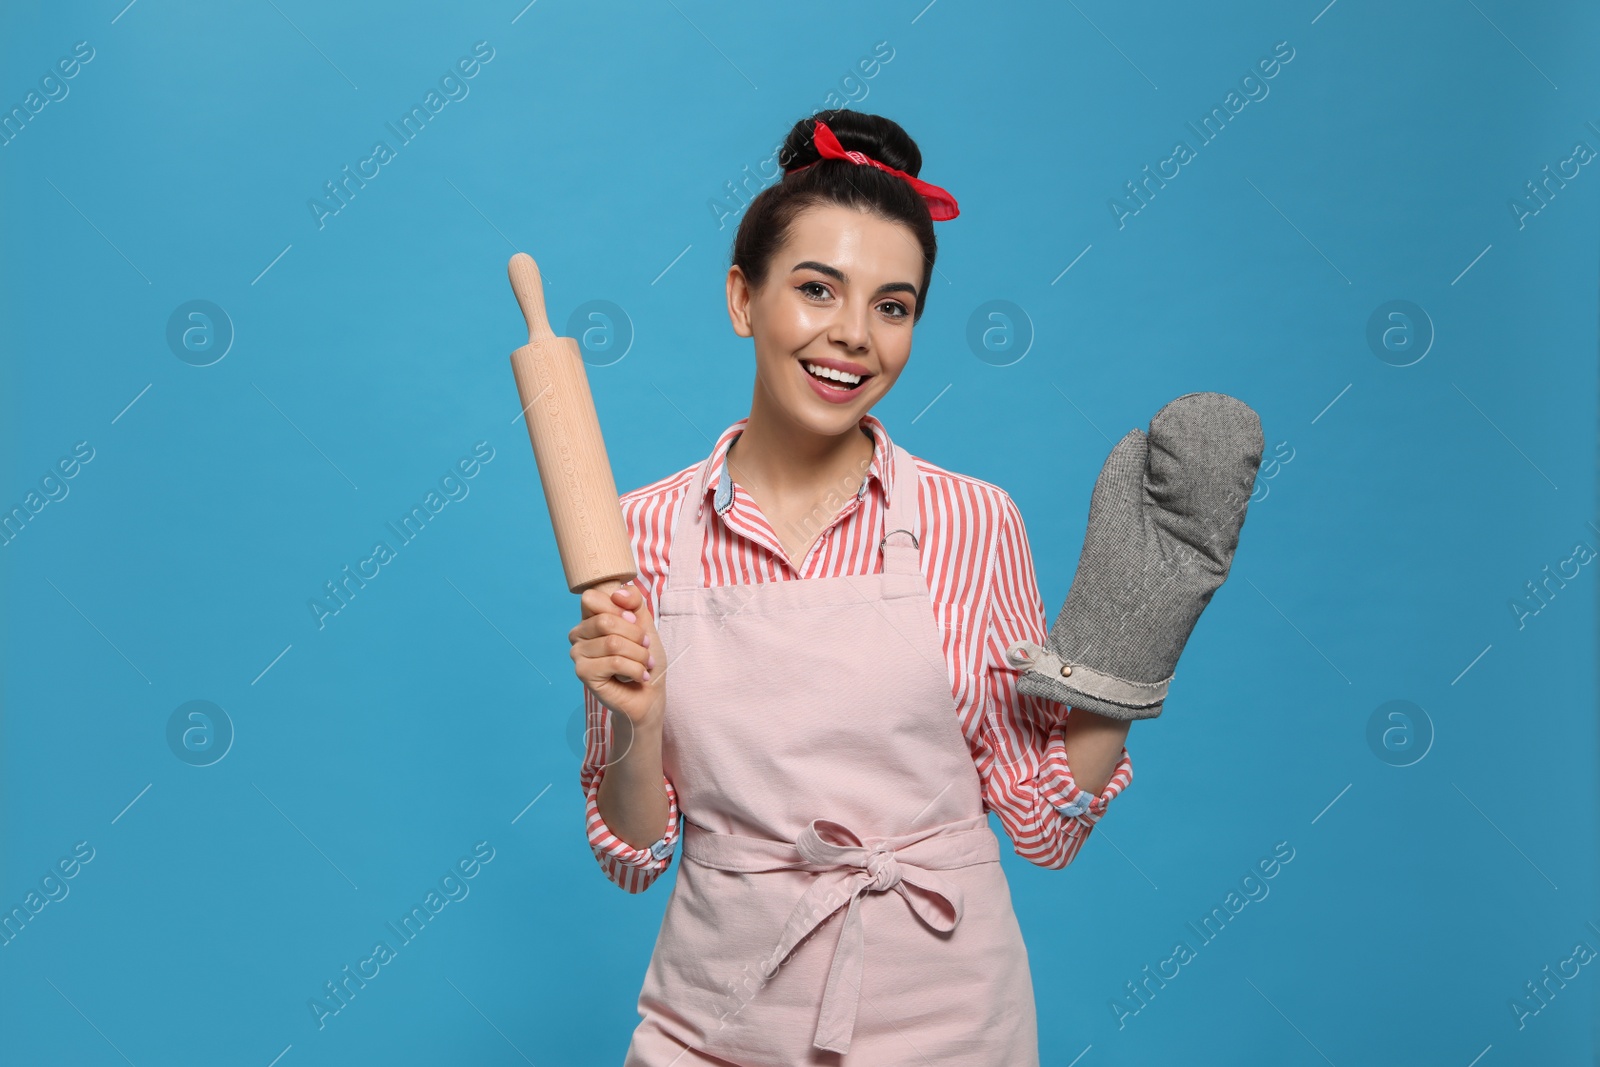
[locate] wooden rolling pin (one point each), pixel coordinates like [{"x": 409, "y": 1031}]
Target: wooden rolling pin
[{"x": 579, "y": 488}]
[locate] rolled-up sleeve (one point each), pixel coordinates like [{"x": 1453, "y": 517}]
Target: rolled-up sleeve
[
  {"x": 633, "y": 869},
  {"x": 1030, "y": 784}
]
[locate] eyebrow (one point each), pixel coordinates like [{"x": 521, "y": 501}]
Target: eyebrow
[{"x": 835, "y": 272}]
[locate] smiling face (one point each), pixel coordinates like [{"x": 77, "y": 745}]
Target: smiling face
[{"x": 840, "y": 294}]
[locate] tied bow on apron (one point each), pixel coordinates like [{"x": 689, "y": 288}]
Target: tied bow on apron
[{"x": 849, "y": 868}]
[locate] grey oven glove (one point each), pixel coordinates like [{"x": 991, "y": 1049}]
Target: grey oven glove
[{"x": 1164, "y": 521}]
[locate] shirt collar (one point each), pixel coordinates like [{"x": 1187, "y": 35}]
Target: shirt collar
[{"x": 720, "y": 482}]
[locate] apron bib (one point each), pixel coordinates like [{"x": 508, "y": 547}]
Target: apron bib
[{"x": 840, "y": 899}]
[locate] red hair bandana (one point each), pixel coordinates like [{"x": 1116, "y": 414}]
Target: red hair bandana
[{"x": 941, "y": 205}]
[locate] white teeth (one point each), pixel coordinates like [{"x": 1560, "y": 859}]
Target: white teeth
[{"x": 828, "y": 372}]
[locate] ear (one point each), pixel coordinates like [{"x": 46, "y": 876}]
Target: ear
[{"x": 739, "y": 302}]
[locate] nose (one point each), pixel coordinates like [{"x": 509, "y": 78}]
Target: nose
[{"x": 849, "y": 327}]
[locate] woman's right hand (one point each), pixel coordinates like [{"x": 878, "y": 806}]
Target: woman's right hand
[{"x": 617, "y": 654}]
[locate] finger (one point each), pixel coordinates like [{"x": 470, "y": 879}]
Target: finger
[
  {"x": 598, "y": 602},
  {"x": 593, "y": 623},
  {"x": 610, "y": 647},
  {"x": 619, "y": 668},
  {"x": 637, "y": 645},
  {"x": 592, "y": 602},
  {"x": 638, "y": 603},
  {"x": 630, "y": 603},
  {"x": 627, "y": 597},
  {"x": 601, "y": 625}
]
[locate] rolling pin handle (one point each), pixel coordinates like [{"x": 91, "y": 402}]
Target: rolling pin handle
[{"x": 526, "y": 283}]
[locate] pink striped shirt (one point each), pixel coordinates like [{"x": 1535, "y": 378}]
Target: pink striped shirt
[{"x": 976, "y": 562}]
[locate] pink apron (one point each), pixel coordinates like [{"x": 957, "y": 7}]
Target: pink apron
[{"x": 841, "y": 899}]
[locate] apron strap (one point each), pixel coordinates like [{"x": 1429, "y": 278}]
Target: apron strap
[
  {"x": 901, "y": 542},
  {"x": 689, "y": 534}
]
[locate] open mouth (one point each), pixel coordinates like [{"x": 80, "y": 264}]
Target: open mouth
[{"x": 833, "y": 379}]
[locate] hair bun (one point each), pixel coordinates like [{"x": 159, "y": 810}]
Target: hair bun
[
  {"x": 771, "y": 218},
  {"x": 871, "y": 135}
]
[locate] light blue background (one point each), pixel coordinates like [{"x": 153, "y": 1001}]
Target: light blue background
[{"x": 435, "y": 711}]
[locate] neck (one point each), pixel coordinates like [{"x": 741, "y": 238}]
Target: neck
[{"x": 791, "y": 463}]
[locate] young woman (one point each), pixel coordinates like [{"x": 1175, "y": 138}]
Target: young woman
[{"x": 810, "y": 669}]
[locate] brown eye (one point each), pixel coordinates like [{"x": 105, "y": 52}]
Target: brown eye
[{"x": 806, "y": 287}]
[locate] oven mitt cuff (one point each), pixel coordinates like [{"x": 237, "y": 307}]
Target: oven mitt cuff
[{"x": 1164, "y": 521}]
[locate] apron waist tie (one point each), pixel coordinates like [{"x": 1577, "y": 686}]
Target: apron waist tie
[{"x": 850, "y": 867}]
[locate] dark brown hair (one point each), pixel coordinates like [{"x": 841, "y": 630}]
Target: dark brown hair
[{"x": 770, "y": 217}]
